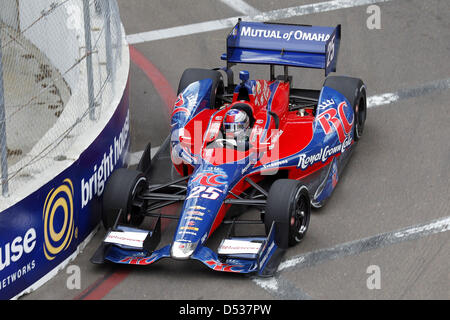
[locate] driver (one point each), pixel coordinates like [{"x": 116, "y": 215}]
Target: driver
[{"x": 236, "y": 126}]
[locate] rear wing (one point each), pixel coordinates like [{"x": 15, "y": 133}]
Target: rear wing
[{"x": 284, "y": 44}]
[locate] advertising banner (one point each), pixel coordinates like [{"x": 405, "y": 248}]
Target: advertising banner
[{"x": 44, "y": 229}]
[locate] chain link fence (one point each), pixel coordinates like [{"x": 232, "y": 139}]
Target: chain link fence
[{"x": 58, "y": 64}]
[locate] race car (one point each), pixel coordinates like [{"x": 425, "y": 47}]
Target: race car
[{"x": 260, "y": 144}]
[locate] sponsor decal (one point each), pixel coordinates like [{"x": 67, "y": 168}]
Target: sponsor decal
[
  {"x": 325, "y": 104},
  {"x": 192, "y": 100},
  {"x": 189, "y": 228},
  {"x": 274, "y": 138},
  {"x": 13, "y": 251},
  {"x": 180, "y": 109},
  {"x": 59, "y": 201},
  {"x": 334, "y": 177},
  {"x": 331, "y": 51},
  {"x": 246, "y": 167},
  {"x": 234, "y": 31},
  {"x": 195, "y": 213},
  {"x": 269, "y": 250},
  {"x": 336, "y": 118},
  {"x": 257, "y": 87},
  {"x": 229, "y": 246},
  {"x": 127, "y": 238},
  {"x": 218, "y": 266},
  {"x": 210, "y": 179},
  {"x": 140, "y": 260},
  {"x": 214, "y": 129},
  {"x": 262, "y": 93},
  {"x": 257, "y": 132},
  {"x": 197, "y": 208},
  {"x": 277, "y": 34},
  {"x": 94, "y": 185},
  {"x": 187, "y": 232},
  {"x": 307, "y": 160},
  {"x": 190, "y": 217},
  {"x": 275, "y": 164},
  {"x": 210, "y": 193},
  {"x": 184, "y": 240},
  {"x": 180, "y": 101}
]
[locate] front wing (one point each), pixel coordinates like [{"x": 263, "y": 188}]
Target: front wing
[{"x": 264, "y": 262}]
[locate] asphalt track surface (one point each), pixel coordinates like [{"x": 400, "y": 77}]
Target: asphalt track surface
[{"x": 391, "y": 206}]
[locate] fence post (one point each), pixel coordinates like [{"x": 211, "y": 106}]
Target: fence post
[
  {"x": 3, "y": 145},
  {"x": 108, "y": 42},
  {"x": 90, "y": 76}
]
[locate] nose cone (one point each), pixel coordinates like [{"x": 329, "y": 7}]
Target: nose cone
[{"x": 182, "y": 250}]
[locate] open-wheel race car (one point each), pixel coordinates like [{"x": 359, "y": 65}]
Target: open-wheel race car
[{"x": 259, "y": 143}]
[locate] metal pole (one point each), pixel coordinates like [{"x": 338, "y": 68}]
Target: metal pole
[
  {"x": 3, "y": 145},
  {"x": 90, "y": 76},
  {"x": 109, "y": 63}
]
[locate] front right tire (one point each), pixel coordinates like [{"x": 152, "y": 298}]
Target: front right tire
[{"x": 288, "y": 205}]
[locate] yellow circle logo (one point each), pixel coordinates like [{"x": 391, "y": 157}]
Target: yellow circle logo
[{"x": 58, "y": 201}]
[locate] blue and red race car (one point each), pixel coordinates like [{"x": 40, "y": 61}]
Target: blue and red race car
[{"x": 258, "y": 143}]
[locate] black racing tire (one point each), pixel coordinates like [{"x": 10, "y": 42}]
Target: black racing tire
[
  {"x": 360, "y": 114},
  {"x": 288, "y": 205},
  {"x": 192, "y": 75},
  {"x": 120, "y": 191},
  {"x": 354, "y": 90}
]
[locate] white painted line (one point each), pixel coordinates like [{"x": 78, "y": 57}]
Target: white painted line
[
  {"x": 431, "y": 228},
  {"x": 241, "y": 6},
  {"x": 274, "y": 285},
  {"x": 282, "y": 289},
  {"x": 427, "y": 88},
  {"x": 135, "y": 157},
  {"x": 268, "y": 284},
  {"x": 291, "y": 263},
  {"x": 366, "y": 244},
  {"x": 273, "y": 15},
  {"x": 182, "y": 30},
  {"x": 382, "y": 99}
]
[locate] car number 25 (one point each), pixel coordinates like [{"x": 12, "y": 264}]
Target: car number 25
[{"x": 204, "y": 192}]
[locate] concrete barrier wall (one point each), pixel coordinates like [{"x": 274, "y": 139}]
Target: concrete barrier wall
[{"x": 52, "y": 213}]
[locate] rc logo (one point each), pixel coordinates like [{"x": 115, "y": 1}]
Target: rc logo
[
  {"x": 210, "y": 179},
  {"x": 58, "y": 218}
]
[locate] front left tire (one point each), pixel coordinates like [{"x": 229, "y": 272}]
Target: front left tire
[{"x": 120, "y": 193}]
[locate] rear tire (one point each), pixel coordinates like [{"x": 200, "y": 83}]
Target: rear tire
[
  {"x": 288, "y": 205},
  {"x": 354, "y": 91},
  {"x": 120, "y": 192},
  {"x": 192, "y": 75},
  {"x": 360, "y": 110}
]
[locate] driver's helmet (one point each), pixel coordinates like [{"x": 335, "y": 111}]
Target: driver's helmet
[{"x": 235, "y": 123}]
